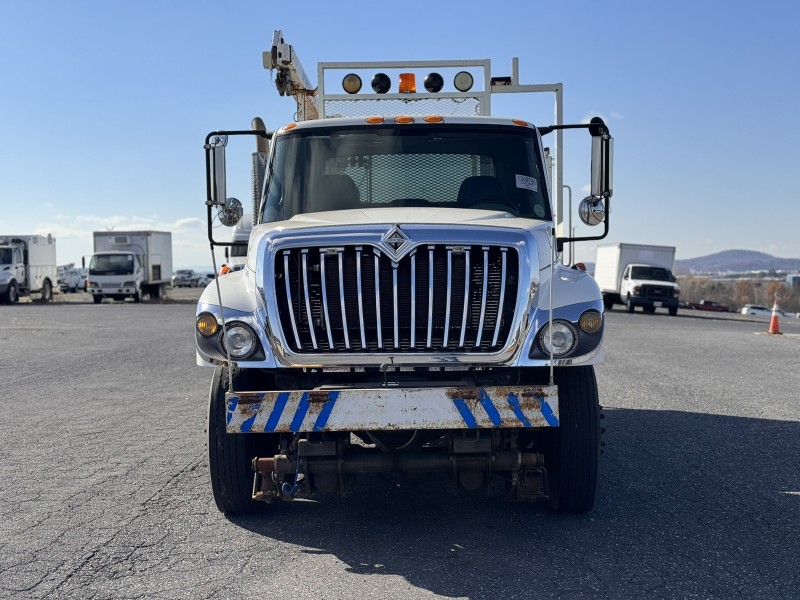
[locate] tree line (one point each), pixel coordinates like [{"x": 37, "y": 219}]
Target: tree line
[{"x": 737, "y": 293}]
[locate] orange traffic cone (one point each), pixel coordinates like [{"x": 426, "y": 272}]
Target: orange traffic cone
[{"x": 774, "y": 327}]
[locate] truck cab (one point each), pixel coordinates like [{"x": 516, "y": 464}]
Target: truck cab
[
  {"x": 115, "y": 275},
  {"x": 403, "y": 307},
  {"x": 649, "y": 287}
]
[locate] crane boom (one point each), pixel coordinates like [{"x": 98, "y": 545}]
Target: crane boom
[{"x": 291, "y": 79}]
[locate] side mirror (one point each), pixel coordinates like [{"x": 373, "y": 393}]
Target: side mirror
[
  {"x": 216, "y": 151},
  {"x": 592, "y": 211},
  {"x": 231, "y": 212},
  {"x": 602, "y": 159}
]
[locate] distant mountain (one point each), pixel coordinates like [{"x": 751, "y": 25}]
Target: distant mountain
[{"x": 736, "y": 261}]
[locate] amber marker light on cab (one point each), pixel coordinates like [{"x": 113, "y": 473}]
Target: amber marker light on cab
[
  {"x": 519, "y": 122},
  {"x": 403, "y": 119},
  {"x": 289, "y": 126},
  {"x": 433, "y": 119},
  {"x": 374, "y": 120}
]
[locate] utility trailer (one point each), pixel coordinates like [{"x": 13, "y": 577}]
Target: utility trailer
[{"x": 403, "y": 307}]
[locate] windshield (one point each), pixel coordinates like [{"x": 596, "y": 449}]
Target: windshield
[
  {"x": 238, "y": 251},
  {"x": 5, "y": 256},
  {"x": 481, "y": 167},
  {"x": 112, "y": 264},
  {"x": 652, "y": 273}
]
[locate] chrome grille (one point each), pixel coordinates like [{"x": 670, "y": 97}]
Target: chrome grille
[{"x": 355, "y": 298}]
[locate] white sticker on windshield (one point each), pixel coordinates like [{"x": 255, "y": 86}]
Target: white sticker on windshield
[{"x": 527, "y": 183}]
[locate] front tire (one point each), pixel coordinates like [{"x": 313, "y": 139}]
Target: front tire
[
  {"x": 673, "y": 310},
  {"x": 573, "y": 455},
  {"x": 11, "y": 294},
  {"x": 230, "y": 455},
  {"x": 629, "y": 305},
  {"x": 97, "y": 299}
]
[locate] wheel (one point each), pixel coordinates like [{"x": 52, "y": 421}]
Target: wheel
[
  {"x": 673, "y": 310},
  {"x": 608, "y": 303},
  {"x": 12, "y": 294},
  {"x": 649, "y": 309},
  {"x": 629, "y": 305},
  {"x": 97, "y": 299},
  {"x": 137, "y": 297},
  {"x": 47, "y": 292},
  {"x": 573, "y": 453},
  {"x": 230, "y": 455}
]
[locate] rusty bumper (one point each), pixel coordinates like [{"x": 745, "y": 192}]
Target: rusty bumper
[{"x": 392, "y": 409}]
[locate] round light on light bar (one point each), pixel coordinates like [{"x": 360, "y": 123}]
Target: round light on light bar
[
  {"x": 240, "y": 340},
  {"x": 351, "y": 83},
  {"x": 463, "y": 81},
  {"x": 563, "y": 338},
  {"x": 381, "y": 83},
  {"x": 433, "y": 83},
  {"x": 590, "y": 321},
  {"x": 207, "y": 324}
]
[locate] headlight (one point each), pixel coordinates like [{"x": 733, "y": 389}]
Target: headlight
[
  {"x": 563, "y": 338},
  {"x": 240, "y": 340}
]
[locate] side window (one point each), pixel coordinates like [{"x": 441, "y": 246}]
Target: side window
[{"x": 17, "y": 255}]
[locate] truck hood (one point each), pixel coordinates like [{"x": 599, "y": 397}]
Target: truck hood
[
  {"x": 655, "y": 282},
  {"x": 448, "y": 217}
]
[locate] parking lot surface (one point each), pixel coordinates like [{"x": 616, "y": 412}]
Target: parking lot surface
[{"x": 106, "y": 493}]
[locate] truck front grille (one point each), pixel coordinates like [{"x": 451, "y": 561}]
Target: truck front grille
[
  {"x": 656, "y": 292},
  {"x": 436, "y": 299}
]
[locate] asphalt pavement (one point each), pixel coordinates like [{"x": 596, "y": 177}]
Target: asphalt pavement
[{"x": 105, "y": 490}]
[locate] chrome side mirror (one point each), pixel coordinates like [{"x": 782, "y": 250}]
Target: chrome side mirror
[
  {"x": 592, "y": 211},
  {"x": 231, "y": 213},
  {"x": 216, "y": 150},
  {"x": 602, "y": 159}
]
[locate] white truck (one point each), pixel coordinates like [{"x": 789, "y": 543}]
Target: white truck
[
  {"x": 71, "y": 278},
  {"x": 27, "y": 266},
  {"x": 130, "y": 264},
  {"x": 637, "y": 275},
  {"x": 403, "y": 307}
]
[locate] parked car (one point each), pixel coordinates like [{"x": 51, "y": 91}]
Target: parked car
[
  {"x": 710, "y": 305},
  {"x": 183, "y": 278},
  {"x": 763, "y": 311},
  {"x": 203, "y": 279}
]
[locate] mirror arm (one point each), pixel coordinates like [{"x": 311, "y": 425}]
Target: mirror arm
[{"x": 563, "y": 240}]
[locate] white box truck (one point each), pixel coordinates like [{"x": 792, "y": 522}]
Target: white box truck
[
  {"x": 637, "y": 275},
  {"x": 130, "y": 264},
  {"x": 27, "y": 266}
]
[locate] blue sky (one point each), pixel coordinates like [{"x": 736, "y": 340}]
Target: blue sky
[{"x": 105, "y": 105}]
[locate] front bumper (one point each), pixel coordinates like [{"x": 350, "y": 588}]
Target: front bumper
[
  {"x": 653, "y": 303},
  {"x": 393, "y": 409},
  {"x": 115, "y": 291}
]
